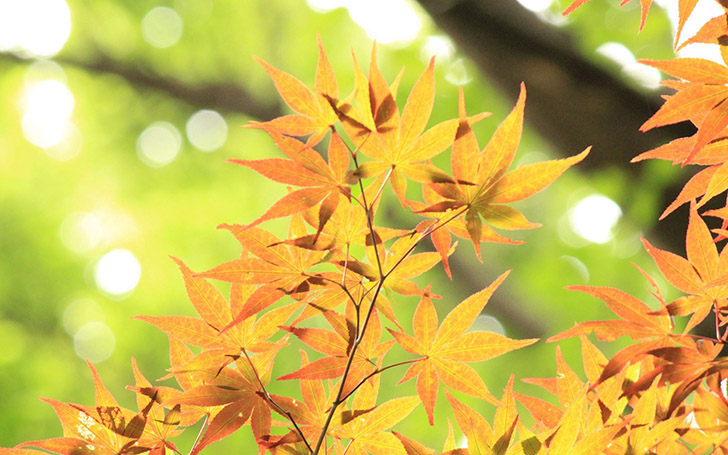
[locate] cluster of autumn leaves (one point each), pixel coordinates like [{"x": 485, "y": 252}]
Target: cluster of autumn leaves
[{"x": 338, "y": 269}]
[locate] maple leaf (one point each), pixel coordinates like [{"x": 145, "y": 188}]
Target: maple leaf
[
  {"x": 106, "y": 428},
  {"x": 703, "y": 275},
  {"x": 397, "y": 145},
  {"x": 279, "y": 265},
  {"x": 490, "y": 186},
  {"x": 337, "y": 345},
  {"x": 445, "y": 350},
  {"x": 315, "y": 115},
  {"x": 700, "y": 99},
  {"x": 322, "y": 182}
]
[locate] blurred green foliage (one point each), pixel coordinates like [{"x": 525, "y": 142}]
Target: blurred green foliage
[{"x": 174, "y": 209}]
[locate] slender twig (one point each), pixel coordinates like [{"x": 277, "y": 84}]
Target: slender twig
[
  {"x": 202, "y": 429},
  {"x": 270, "y": 400},
  {"x": 378, "y": 371},
  {"x": 423, "y": 236}
]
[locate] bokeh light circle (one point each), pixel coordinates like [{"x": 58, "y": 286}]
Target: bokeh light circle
[
  {"x": 162, "y": 27},
  {"x": 117, "y": 272},
  {"x": 94, "y": 342},
  {"x": 207, "y": 130}
]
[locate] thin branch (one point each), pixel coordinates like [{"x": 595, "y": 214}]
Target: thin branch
[{"x": 270, "y": 400}]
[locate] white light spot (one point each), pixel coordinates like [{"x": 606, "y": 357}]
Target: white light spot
[
  {"x": 704, "y": 10},
  {"x": 642, "y": 74},
  {"x": 594, "y": 217},
  {"x": 487, "y": 323},
  {"x": 79, "y": 313},
  {"x": 42, "y": 70},
  {"x": 159, "y": 144},
  {"x": 81, "y": 232},
  {"x": 579, "y": 267},
  {"x": 117, "y": 272},
  {"x": 94, "y": 342},
  {"x": 537, "y": 6},
  {"x": 48, "y": 108},
  {"x": 616, "y": 52},
  {"x": 387, "y": 21},
  {"x": 207, "y": 130},
  {"x": 441, "y": 46},
  {"x": 68, "y": 147},
  {"x": 162, "y": 27},
  {"x": 457, "y": 74},
  {"x": 34, "y": 28},
  {"x": 323, "y": 6}
]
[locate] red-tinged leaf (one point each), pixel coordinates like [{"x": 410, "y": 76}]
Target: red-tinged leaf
[
  {"x": 685, "y": 7},
  {"x": 575, "y": 4},
  {"x": 465, "y": 150},
  {"x": 529, "y": 180},
  {"x": 475, "y": 229},
  {"x": 622, "y": 304},
  {"x": 464, "y": 314},
  {"x": 294, "y": 92},
  {"x": 412, "y": 447},
  {"x": 709, "y": 32},
  {"x": 692, "y": 69},
  {"x": 442, "y": 241},
  {"x": 479, "y": 346},
  {"x": 498, "y": 154},
  {"x": 605, "y": 330},
  {"x": 326, "y": 368},
  {"x": 16, "y": 451},
  {"x": 718, "y": 184},
  {"x": 629, "y": 355},
  {"x": 209, "y": 395},
  {"x": 259, "y": 300},
  {"x": 293, "y": 203},
  {"x": 293, "y": 125},
  {"x": 225, "y": 422},
  {"x": 63, "y": 446},
  {"x": 284, "y": 171},
  {"x": 675, "y": 269},
  {"x": 206, "y": 298},
  {"x": 713, "y": 124},
  {"x": 693, "y": 189},
  {"x": 428, "y": 382},
  {"x": 425, "y": 173},
  {"x": 417, "y": 110},
  {"x": 190, "y": 330},
  {"x": 324, "y": 341},
  {"x": 541, "y": 410},
  {"x": 689, "y": 102},
  {"x": 247, "y": 271}
]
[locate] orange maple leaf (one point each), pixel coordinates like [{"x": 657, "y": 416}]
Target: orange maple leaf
[{"x": 445, "y": 350}]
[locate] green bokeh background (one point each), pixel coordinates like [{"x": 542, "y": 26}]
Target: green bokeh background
[{"x": 173, "y": 210}]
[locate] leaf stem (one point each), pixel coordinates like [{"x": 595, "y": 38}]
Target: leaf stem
[
  {"x": 273, "y": 402},
  {"x": 377, "y": 371}
]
